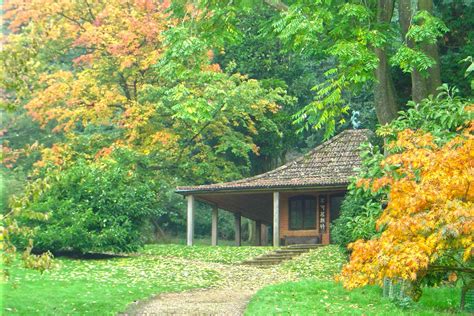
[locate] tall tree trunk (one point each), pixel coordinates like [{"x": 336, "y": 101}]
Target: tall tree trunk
[
  {"x": 434, "y": 79},
  {"x": 421, "y": 85},
  {"x": 419, "y": 88},
  {"x": 385, "y": 98},
  {"x": 159, "y": 234}
]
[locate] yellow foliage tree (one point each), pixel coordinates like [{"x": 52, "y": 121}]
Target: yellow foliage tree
[{"x": 430, "y": 211}]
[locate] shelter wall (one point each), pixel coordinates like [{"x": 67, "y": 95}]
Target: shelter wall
[{"x": 285, "y": 231}]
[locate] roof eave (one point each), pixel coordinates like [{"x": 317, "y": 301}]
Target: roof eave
[{"x": 280, "y": 188}]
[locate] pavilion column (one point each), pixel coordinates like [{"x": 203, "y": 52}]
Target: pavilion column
[
  {"x": 264, "y": 236},
  {"x": 190, "y": 219},
  {"x": 276, "y": 219},
  {"x": 258, "y": 233},
  {"x": 215, "y": 214},
  {"x": 237, "y": 226}
]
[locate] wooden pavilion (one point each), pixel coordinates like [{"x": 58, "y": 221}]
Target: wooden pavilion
[{"x": 298, "y": 200}]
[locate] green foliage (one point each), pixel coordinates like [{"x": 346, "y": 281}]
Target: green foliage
[
  {"x": 310, "y": 297},
  {"x": 360, "y": 211},
  {"x": 343, "y": 33},
  {"x": 216, "y": 116},
  {"x": 409, "y": 59},
  {"x": 426, "y": 28},
  {"x": 457, "y": 44},
  {"x": 20, "y": 138},
  {"x": 346, "y": 33},
  {"x": 319, "y": 264},
  {"x": 328, "y": 105},
  {"x": 167, "y": 101},
  {"x": 470, "y": 70},
  {"x": 260, "y": 54},
  {"x": 203, "y": 222},
  {"x": 442, "y": 116},
  {"x": 91, "y": 208},
  {"x": 9, "y": 185},
  {"x": 361, "y": 207}
]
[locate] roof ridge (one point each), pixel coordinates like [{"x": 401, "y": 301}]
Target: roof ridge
[
  {"x": 296, "y": 160},
  {"x": 312, "y": 151},
  {"x": 286, "y": 165}
]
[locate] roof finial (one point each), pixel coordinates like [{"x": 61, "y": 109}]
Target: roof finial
[{"x": 355, "y": 119}]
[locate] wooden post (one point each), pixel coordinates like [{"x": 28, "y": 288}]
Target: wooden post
[
  {"x": 264, "y": 237},
  {"x": 276, "y": 219},
  {"x": 237, "y": 227},
  {"x": 215, "y": 212},
  {"x": 190, "y": 218},
  {"x": 258, "y": 233}
]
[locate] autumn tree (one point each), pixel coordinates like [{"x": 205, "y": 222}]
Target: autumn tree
[
  {"x": 150, "y": 82},
  {"x": 441, "y": 116},
  {"x": 131, "y": 76},
  {"x": 427, "y": 225}
]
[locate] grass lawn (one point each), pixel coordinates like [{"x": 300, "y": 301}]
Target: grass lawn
[
  {"x": 312, "y": 297},
  {"x": 317, "y": 294},
  {"x": 107, "y": 286}
]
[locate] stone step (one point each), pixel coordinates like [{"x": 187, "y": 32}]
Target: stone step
[
  {"x": 276, "y": 257},
  {"x": 256, "y": 263},
  {"x": 300, "y": 249},
  {"x": 280, "y": 255},
  {"x": 303, "y": 246},
  {"x": 266, "y": 261},
  {"x": 292, "y": 249},
  {"x": 262, "y": 261},
  {"x": 263, "y": 266},
  {"x": 269, "y": 259},
  {"x": 296, "y": 251}
]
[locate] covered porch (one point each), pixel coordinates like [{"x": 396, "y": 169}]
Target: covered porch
[
  {"x": 290, "y": 216},
  {"x": 296, "y": 202}
]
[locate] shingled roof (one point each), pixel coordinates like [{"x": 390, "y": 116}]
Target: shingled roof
[{"x": 330, "y": 164}]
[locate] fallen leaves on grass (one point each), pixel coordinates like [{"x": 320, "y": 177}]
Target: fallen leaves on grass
[
  {"x": 129, "y": 272},
  {"x": 95, "y": 286},
  {"x": 320, "y": 263},
  {"x": 220, "y": 254}
]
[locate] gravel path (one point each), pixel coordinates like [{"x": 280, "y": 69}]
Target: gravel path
[{"x": 229, "y": 296}]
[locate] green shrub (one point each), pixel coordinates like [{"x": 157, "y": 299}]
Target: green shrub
[
  {"x": 91, "y": 207},
  {"x": 361, "y": 207}
]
